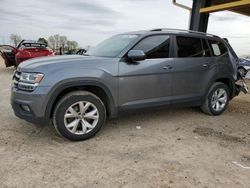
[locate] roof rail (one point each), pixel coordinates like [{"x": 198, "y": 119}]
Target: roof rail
[
  {"x": 181, "y": 30},
  {"x": 156, "y": 30}
]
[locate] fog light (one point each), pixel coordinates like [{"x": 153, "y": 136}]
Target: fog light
[{"x": 25, "y": 108}]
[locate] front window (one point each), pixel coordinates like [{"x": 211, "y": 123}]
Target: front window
[
  {"x": 112, "y": 46},
  {"x": 155, "y": 47}
]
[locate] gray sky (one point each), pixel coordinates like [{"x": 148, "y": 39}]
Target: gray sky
[{"x": 90, "y": 21}]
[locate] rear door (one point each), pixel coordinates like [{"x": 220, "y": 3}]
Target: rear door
[
  {"x": 8, "y": 54},
  {"x": 226, "y": 61},
  {"x": 192, "y": 67}
]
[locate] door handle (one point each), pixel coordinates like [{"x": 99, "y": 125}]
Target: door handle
[
  {"x": 167, "y": 67},
  {"x": 205, "y": 65}
]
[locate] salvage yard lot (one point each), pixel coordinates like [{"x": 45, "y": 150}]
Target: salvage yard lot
[{"x": 164, "y": 148}]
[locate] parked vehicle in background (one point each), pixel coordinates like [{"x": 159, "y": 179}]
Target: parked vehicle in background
[
  {"x": 131, "y": 71},
  {"x": 13, "y": 56},
  {"x": 244, "y": 66},
  {"x": 75, "y": 51},
  {"x": 81, "y": 52}
]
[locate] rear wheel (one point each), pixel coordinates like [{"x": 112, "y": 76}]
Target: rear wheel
[
  {"x": 216, "y": 100},
  {"x": 79, "y": 115}
]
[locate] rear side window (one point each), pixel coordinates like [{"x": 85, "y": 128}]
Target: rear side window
[
  {"x": 206, "y": 50},
  {"x": 189, "y": 47},
  {"x": 155, "y": 46},
  {"x": 218, "y": 48}
]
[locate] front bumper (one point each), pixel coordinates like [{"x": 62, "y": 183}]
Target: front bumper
[{"x": 35, "y": 102}]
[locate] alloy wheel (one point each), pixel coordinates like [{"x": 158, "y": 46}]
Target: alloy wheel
[
  {"x": 219, "y": 99},
  {"x": 81, "y": 117}
]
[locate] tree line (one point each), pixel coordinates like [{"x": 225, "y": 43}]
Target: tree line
[{"x": 55, "y": 42}]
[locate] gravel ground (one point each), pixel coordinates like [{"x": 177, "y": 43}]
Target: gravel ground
[{"x": 166, "y": 148}]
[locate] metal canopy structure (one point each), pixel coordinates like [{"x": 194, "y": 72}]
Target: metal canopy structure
[
  {"x": 202, "y": 8},
  {"x": 238, "y": 6}
]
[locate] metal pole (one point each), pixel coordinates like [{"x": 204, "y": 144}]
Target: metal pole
[
  {"x": 197, "y": 21},
  {"x": 185, "y": 7},
  {"x": 195, "y": 15}
]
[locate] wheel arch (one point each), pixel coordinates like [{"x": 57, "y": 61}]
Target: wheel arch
[
  {"x": 95, "y": 87},
  {"x": 229, "y": 82}
]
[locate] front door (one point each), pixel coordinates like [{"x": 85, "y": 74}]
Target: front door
[{"x": 147, "y": 82}]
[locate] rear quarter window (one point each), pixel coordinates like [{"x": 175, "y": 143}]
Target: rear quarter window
[{"x": 218, "y": 48}]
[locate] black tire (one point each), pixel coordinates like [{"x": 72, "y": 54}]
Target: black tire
[
  {"x": 70, "y": 99},
  {"x": 207, "y": 105}
]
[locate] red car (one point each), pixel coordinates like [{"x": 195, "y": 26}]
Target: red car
[{"x": 25, "y": 50}]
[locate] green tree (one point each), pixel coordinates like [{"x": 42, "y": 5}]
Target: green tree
[
  {"x": 63, "y": 41},
  {"x": 57, "y": 42},
  {"x": 42, "y": 40},
  {"x": 52, "y": 42},
  {"x": 15, "y": 39},
  {"x": 72, "y": 46}
]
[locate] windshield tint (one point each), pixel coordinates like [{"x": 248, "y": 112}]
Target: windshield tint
[{"x": 112, "y": 46}]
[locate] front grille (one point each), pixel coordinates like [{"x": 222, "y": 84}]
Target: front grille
[{"x": 16, "y": 78}]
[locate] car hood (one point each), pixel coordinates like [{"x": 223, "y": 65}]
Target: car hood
[{"x": 42, "y": 64}]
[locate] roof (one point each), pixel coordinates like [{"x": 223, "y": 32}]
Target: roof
[
  {"x": 171, "y": 31},
  {"x": 238, "y": 6}
]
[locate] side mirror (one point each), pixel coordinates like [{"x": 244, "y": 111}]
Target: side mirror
[{"x": 136, "y": 55}]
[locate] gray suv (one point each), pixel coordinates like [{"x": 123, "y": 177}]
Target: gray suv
[{"x": 135, "y": 70}]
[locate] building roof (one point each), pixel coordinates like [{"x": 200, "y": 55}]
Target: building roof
[{"x": 238, "y": 6}]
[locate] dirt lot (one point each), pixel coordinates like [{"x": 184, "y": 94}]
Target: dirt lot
[{"x": 166, "y": 148}]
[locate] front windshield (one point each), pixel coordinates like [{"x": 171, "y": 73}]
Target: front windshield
[{"x": 112, "y": 46}]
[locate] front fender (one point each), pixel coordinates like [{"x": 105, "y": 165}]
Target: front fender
[{"x": 79, "y": 82}]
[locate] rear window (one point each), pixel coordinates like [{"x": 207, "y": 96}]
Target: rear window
[
  {"x": 206, "y": 50},
  {"x": 189, "y": 47},
  {"x": 33, "y": 45},
  {"x": 218, "y": 48}
]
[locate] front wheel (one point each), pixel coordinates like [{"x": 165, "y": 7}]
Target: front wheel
[
  {"x": 216, "y": 100},
  {"x": 79, "y": 115}
]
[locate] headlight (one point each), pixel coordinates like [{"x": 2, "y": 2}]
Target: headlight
[
  {"x": 32, "y": 78},
  {"x": 29, "y": 81}
]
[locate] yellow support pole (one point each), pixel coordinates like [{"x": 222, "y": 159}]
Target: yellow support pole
[{"x": 225, "y": 6}]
